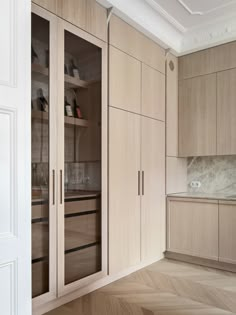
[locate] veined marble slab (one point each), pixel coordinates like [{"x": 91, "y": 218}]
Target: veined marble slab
[{"x": 216, "y": 174}]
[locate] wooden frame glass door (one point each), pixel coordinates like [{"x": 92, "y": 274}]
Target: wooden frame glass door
[
  {"x": 82, "y": 158},
  {"x": 43, "y": 135}
]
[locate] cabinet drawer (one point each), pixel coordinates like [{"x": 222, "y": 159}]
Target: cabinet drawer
[
  {"x": 82, "y": 230},
  {"x": 40, "y": 276},
  {"x": 82, "y": 263},
  {"x": 82, "y": 205},
  {"x": 40, "y": 240},
  {"x": 40, "y": 211}
]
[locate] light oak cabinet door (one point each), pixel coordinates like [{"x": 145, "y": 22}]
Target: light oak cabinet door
[
  {"x": 125, "y": 81},
  {"x": 124, "y": 200},
  {"x": 226, "y": 112},
  {"x": 153, "y": 189},
  {"x": 227, "y": 232},
  {"x": 50, "y": 5},
  {"x": 197, "y": 116},
  {"x": 153, "y": 93},
  {"x": 136, "y": 44},
  {"x": 193, "y": 227},
  {"x": 86, "y": 14}
]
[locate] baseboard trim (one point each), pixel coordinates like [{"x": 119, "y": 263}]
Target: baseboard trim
[
  {"x": 201, "y": 261},
  {"x": 44, "y": 308}
]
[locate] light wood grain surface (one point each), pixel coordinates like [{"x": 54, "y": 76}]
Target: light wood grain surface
[
  {"x": 124, "y": 81},
  {"x": 227, "y": 232},
  {"x": 153, "y": 93},
  {"x": 193, "y": 228},
  {"x": 197, "y": 116},
  {"x": 136, "y": 44},
  {"x": 172, "y": 106},
  {"x": 226, "y": 112},
  {"x": 124, "y": 200},
  {"x": 153, "y": 198},
  {"x": 164, "y": 288}
]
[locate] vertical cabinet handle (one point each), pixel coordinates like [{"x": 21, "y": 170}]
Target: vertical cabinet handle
[
  {"x": 143, "y": 182},
  {"x": 53, "y": 187},
  {"x": 139, "y": 183},
  {"x": 61, "y": 187}
]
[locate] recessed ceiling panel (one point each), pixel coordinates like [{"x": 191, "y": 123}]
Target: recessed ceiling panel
[{"x": 201, "y": 7}]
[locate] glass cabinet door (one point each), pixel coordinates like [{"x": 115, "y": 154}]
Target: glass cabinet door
[
  {"x": 82, "y": 158},
  {"x": 40, "y": 155}
]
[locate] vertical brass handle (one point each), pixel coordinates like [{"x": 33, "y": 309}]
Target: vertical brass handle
[
  {"x": 61, "y": 187},
  {"x": 53, "y": 187},
  {"x": 139, "y": 183},
  {"x": 142, "y": 182}
]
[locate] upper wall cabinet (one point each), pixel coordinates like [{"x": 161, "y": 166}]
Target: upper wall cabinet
[
  {"x": 226, "y": 112},
  {"x": 153, "y": 93},
  {"x": 136, "y": 44},
  {"x": 86, "y": 14},
  {"x": 208, "y": 61},
  {"x": 125, "y": 81},
  {"x": 197, "y": 116},
  {"x": 48, "y": 5}
]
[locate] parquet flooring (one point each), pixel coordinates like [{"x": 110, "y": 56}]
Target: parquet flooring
[{"x": 164, "y": 288}]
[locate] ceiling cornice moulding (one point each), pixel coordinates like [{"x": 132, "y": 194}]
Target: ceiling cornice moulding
[
  {"x": 166, "y": 15},
  {"x": 154, "y": 21}
]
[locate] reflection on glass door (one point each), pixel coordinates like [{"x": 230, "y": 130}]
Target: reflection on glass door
[
  {"x": 40, "y": 155},
  {"x": 82, "y": 169}
]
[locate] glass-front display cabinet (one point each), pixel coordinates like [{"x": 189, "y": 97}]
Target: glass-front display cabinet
[{"x": 69, "y": 159}]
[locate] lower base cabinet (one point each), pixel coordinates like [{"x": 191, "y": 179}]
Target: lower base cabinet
[
  {"x": 193, "y": 227},
  {"x": 227, "y": 232}
]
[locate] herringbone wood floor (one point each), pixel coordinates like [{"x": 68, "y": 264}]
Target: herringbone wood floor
[{"x": 164, "y": 288}]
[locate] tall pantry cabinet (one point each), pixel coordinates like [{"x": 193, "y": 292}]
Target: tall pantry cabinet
[
  {"x": 69, "y": 157},
  {"x": 136, "y": 148}
]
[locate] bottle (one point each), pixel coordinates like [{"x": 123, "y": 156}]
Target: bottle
[
  {"x": 74, "y": 72},
  {"x": 42, "y": 102},
  {"x": 65, "y": 69},
  {"x": 33, "y": 55},
  {"x": 68, "y": 109},
  {"x": 77, "y": 110}
]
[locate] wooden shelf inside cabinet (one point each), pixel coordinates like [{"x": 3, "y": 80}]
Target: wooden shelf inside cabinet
[
  {"x": 76, "y": 83},
  {"x": 76, "y": 122},
  {"x": 39, "y": 73}
]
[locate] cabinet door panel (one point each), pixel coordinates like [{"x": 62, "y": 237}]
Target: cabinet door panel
[
  {"x": 124, "y": 213},
  {"x": 226, "y": 112},
  {"x": 197, "y": 116},
  {"x": 50, "y": 5},
  {"x": 43, "y": 157},
  {"x": 193, "y": 228},
  {"x": 153, "y": 190},
  {"x": 136, "y": 44},
  {"x": 227, "y": 233},
  {"x": 125, "y": 81},
  {"x": 153, "y": 93},
  {"x": 86, "y": 14}
]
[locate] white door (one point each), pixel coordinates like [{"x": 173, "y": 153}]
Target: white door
[{"x": 15, "y": 178}]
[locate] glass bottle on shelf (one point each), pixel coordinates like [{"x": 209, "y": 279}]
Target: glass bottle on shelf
[
  {"x": 42, "y": 102},
  {"x": 74, "y": 71},
  {"x": 68, "y": 109},
  {"x": 77, "y": 110}
]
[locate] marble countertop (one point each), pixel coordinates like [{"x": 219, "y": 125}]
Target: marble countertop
[{"x": 201, "y": 195}]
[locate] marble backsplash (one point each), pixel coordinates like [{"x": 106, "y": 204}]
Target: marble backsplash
[{"x": 216, "y": 174}]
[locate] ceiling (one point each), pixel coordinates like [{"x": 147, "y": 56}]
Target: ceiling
[{"x": 182, "y": 25}]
